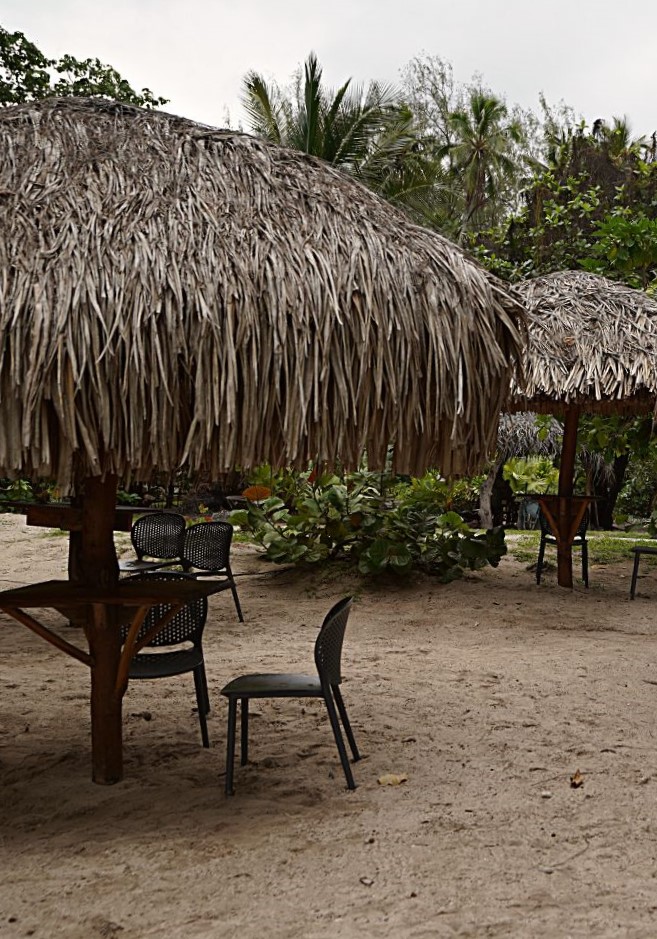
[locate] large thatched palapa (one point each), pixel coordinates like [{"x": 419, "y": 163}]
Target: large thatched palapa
[
  {"x": 593, "y": 348},
  {"x": 174, "y": 293}
]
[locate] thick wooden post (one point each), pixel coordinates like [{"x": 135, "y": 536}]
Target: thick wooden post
[
  {"x": 104, "y": 640},
  {"x": 566, "y": 485},
  {"x": 97, "y": 565}
]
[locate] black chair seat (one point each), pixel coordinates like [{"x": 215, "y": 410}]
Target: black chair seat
[
  {"x": 165, "y": 664},
  {"x": 641, "y": 550},
  {"x": 325, "y": 685},
  {"x": 274, "y": 686},
  {"x": 136, "y": 566}
]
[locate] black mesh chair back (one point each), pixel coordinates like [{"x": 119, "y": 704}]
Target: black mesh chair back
[
  {"x": 158, "y": 535},
  {"x": 548, "y": 538},
  {"x": 328, "y": 646},
  {"x": 325, "y": 685},
  {"x": 206, "y": 553},
  {"x": 186, "y": 627}
]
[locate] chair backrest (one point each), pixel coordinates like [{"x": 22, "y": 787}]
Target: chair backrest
[
  {"x": 186, "y": 626},
  {"x": 207, "y": 546},
  {"x": 158, "y": 535},
  {"x": 328, "y": 645},
  {"x": 581, "y": 528}
]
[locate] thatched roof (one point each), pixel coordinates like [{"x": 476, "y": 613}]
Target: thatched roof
[
  {"x": 519, "y": 435},
  {"x": 171, "y": 292},
  {"x": 592, "y": 342}
]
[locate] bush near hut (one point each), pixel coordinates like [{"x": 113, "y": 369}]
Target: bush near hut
[{"x": 374, "y": 521}]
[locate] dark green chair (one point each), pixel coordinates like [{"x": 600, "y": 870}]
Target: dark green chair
[
  {"x": 638, "y": 552},
  {"x": 185, "y": 631},
  {"x": 325, "y": 684}
]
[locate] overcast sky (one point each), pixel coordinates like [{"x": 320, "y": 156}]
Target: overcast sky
[{"x": 600, "y": 57}]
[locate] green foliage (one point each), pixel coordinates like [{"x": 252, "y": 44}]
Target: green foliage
[
  {"x": 128, "y": 498},
  {"x": 593, "y": 205},
  {"x": 532, "y": 475},
  {"x": 26, "y": 74},
  {"x": 17, "y": 490},
  {"x": 615, "y": 435},
  {"x": 364, "y": 518},
  {"x": 625, "y": 246},
  {"x": 638, "y": 496}
]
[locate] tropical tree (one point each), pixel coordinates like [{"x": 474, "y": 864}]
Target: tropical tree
[
  {"x": 481, "y": 156},
  {"x": 443, "y": 109},
  {"x": 591, "y": 204},
  {"x": 370, "y": 134},
  {"x": 26, "y": 74}
]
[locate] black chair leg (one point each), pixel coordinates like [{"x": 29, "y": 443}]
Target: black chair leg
[
  {"x": 337, "y": 694},
  {"x": 233, "y": 590},
  {"x": 244, "y": 728},
  {"x": 335, "y": 726},
  {"x": 203, "y": 687},
  {"x": 230, "y": 745},
  {"x": 585, "y": 564},
  {"x": 635, "y": 574},
  {"x": 539, "y": 562},
  {"x": 202, "y": 705}
]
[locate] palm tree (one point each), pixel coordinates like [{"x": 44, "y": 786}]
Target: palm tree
[
  {"x": 482, "y": 156},
  {"x": 370, "y": 135}
]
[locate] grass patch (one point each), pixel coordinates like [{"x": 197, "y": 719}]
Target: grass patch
[{"x": 604, "y": 547}]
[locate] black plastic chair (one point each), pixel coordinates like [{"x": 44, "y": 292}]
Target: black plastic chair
[
  {"x": 638, "y": 551},
  {"x": 328, "y": 652},
  {"x": 547, "y": 538},
  {"x": 186, "y": 627},
  {"x": 206, "y": 553},
  {"x": 158, "y": 535}
]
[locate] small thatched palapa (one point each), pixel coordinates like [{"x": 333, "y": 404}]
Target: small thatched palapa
[
  {"x": 174, "y": 293},
  {"x": 593, "y": 348},
  {"x": 592, "y": 343}
]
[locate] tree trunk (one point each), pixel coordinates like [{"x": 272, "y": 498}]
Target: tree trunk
[
  {"x": 486, "y": 497},
  {"x": 607, "y": 504}
]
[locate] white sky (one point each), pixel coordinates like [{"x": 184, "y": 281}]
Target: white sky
[{"x": 598, "y": 56}]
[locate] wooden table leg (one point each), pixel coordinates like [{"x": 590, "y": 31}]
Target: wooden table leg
[
  {"x": 565, "y": 563},
  {"x": 104, "y": 640}
]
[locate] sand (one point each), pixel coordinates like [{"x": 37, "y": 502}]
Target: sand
[{"x": 489, "y": 694}]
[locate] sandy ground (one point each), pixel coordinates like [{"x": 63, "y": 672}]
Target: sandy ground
[{"x": 488, "y": 693}]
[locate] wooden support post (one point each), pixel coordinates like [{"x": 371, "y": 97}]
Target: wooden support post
[
  {"x": 97, "y": 562},
  {"x": 566, "y": 486},
  {"x": 104, "y": 639}
]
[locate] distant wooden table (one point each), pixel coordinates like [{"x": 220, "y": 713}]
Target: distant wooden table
[
  {"x": 103, "y": 612},
  {"x": 564, "y": 515}
]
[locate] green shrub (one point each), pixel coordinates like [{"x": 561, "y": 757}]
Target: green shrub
[{"x": 365, "y": 518}]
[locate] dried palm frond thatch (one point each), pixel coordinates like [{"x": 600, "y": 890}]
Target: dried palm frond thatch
[
  {"x": 518, "y": 435},
  {"x": 592, "y": 343},
  {"x": 174, "y": 293}
]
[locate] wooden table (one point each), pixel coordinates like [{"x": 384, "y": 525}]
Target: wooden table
[
  {"x": 564, "y": 515},
  {"x": 103, "y": 612}
]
